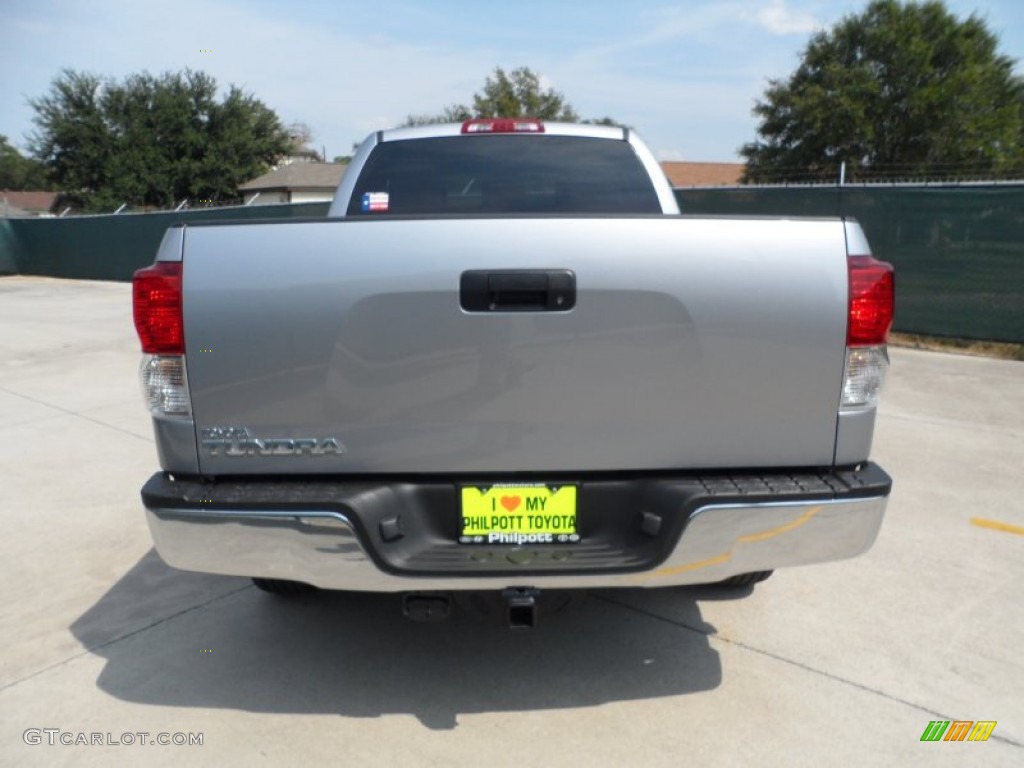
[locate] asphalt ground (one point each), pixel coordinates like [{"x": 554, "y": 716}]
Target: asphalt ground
[{"x": 837, "y": 664}]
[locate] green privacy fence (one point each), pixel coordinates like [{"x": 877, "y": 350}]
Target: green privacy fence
[
  {"x": 8, "y": 246},
  {"x": 958, "y": 250},
  {"x": 112, "y": 247}
]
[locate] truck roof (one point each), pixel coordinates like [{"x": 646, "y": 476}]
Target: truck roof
[{"x": 549, "y": 128}]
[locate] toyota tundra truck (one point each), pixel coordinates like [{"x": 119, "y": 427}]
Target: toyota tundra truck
[{"x": 505, "y": 361}]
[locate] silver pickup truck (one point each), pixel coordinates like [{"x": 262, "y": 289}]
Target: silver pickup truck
[{"x": 505, "y": 361}]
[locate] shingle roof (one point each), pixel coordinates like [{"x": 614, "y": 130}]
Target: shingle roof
[
  {"x": 703, "y": 174},
  {"x": 298, "y": 176},
  {"x": 31, "y": 202},
  {"x": 327, "y": 175}
]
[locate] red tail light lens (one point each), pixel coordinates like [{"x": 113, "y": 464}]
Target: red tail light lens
[
  {"x": 503, "y": 125},
  {"x": 872, "y": 297},
  {"x": 156, "y": 300}
]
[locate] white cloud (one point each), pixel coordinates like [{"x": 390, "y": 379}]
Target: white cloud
[
  {"x": 343, "y": 84},
  {"x": 698, "y": 115},
  {"x": 684, "y": 78},
  {"x": 702, "y": 21},
  {"x": 779, "y": 19},
  {"x": 670, "y": 155},
  {"x": 669, "y": 25}
]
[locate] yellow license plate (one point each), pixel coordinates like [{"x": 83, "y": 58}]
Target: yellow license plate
[{"x": 518, "y": 514}]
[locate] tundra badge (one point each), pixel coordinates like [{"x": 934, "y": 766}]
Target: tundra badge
[{"x": 237, "y": 441}]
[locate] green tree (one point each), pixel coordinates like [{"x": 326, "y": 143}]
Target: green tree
[
  {"x": 518, "y": 93},
  {"x": 152, "y": 140},
  {"x": 19, "y": 172},
  {"x": 901, "y": 87}
]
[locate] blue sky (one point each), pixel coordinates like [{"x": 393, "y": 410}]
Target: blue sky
[{"x": 685, "y": 74}]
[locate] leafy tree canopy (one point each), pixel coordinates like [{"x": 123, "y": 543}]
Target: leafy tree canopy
[
  {"x": 18, "y": 172},
  {"x": 152, "y": 140},
  {"x": 901, "y": 86},
  {"x": 518, "y": 93}
]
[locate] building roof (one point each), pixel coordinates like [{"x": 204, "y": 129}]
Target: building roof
[
  {"x": 17, "y": 203},
  {"x": 296, "y": 176},
  {"x": 326, "y": 176},
  {"x": 703, "y": 174}
]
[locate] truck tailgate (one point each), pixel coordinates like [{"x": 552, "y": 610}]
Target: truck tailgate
[{"x": 694, "y": 343}]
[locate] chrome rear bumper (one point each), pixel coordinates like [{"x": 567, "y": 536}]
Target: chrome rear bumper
[{"x": 329, "y": 548}]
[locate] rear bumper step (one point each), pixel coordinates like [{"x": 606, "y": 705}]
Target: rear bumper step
[{"x": 394, "y": 536}]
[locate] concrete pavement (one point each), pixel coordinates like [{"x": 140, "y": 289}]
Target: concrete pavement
[{"x": 838, "y": 664}]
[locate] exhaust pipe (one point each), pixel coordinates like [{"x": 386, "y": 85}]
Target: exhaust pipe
[
  {"x": 522, "y": 607},
  {"x": 427, "y": 606}
]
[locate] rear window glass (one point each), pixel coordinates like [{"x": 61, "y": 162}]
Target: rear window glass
[{"x": 503, "y": 174}]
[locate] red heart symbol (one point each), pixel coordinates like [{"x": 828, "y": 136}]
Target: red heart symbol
[{"x": 510, "y": 502}]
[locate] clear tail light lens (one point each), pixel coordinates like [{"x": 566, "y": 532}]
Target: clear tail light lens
[
  {"x": 865, "y": 374},
  {"x": 165, "y": 385}
]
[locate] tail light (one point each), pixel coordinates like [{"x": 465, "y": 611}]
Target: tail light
[
  {"x": 869, "y": 318},
  {"x": 871, "y": 301},
  {"x": 165, "y": 386},
  {"x": 156, "y": 299},
  {"x": 156, "y": 305},
  {"x": 503, "y": 125}
]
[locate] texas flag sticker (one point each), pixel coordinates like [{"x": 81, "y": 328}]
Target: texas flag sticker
[{"x": 375, "y": 201}]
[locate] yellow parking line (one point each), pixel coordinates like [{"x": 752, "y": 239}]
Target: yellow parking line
[
  {"x": 995, "y": 525},
  {"x": 727, "y": 555}
]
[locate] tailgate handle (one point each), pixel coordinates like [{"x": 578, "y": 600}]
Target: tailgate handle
[{"x": 518, "y": 290}]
